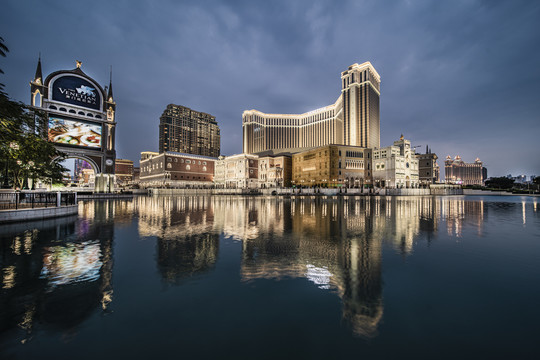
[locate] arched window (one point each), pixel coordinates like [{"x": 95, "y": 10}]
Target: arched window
[{"x": 37, "y": 98}]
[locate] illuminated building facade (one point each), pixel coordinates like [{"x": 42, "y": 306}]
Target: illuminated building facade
[
  {"x": 352, "y": 120},
  {"x": 239, "y": 171},
  {"x": 332, "y": 166},
  {"x": 457, "y": 171},
  {"x": 428, "y": 169},
  {"x": 188, "y": 131},
  {"x": 275, "y": 171},
  {"x": 123, "y": 169},
  {"x": 396, "y": 166},
  {"x": 176, "y": 169},
  {"x": 80, "y": 119}
]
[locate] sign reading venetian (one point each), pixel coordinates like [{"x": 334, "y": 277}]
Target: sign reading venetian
[{"x": 76, "y": 91}]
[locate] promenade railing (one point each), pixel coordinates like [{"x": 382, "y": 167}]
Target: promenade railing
[{"x": 33, "y": 200}]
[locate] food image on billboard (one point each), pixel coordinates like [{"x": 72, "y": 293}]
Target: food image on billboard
[{"x": 72, "y": 132}]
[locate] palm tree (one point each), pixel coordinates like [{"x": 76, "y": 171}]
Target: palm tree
[
  {"x": 3, "y": 48},
  {"x": 3, "y": 51}
]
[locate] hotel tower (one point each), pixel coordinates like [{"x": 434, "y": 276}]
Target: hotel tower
[{"x": 352, "y": 120}]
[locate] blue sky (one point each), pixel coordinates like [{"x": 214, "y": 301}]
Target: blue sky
[{"x": 460, "y": 76}]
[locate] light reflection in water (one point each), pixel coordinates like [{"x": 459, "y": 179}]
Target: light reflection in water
[
  {"x": 334, "y": 244},
  {"x": 59, "y": 260},
  {"x": 71, "y": 263}
]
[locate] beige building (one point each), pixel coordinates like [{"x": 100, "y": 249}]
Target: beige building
[
  {"x": 275, "y": 171},
  {"x": 170, "y": 169},
  {"x": 459, "y": 172},
  {"x": 332, "y": 166},
  {"x": 237, "y": 172},
  {"x": 396, "y": 166},
  {"x": 352, "y": 120}
]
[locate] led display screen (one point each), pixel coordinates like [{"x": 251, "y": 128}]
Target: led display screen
[
  {"x": 76, "y": 91},
  {"x": 73, "y": 132}
]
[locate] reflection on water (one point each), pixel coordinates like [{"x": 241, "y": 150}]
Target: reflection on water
[
  {"x": 333, "y": 242},
  {"x": 57, "y": 273}
]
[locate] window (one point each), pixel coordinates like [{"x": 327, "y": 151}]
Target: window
[
  {"x": 169, "y": 165},
  {"x": 188, "y": 167},
  {"x": 182, "y": 161},
  {"x": 188, "y": 161},
  {"x": 169, "y": 159}
]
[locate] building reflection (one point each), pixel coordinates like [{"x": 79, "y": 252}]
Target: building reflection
[
  {"x": 60, "y": 272},
  {"x": 57, "y": 274},
  {"x": 335, "y": 243},
  {"x": 184, "y": 228}
]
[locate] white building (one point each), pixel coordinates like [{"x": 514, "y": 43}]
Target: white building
[
  {"x": 395, "y": 166},
  {"x": 237, "y": 172}
]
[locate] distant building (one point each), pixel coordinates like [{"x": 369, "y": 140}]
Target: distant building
[
  {"x": 428, "y": 169},
  {"x": 352, "y": 120},
  {"x": 187, "y": 131},
  {"x": 457, "y": 171},
  {"x": 396, "y": 166},
  {"x": 136, "y": 174},
  {"x": 275, "y": 171},
  {"x": 239, "y": 171},
  {"x": 171, "y": 169},
  {"x": 484, "y": 174},
  {"x": 123, "y": 169},
  {"x": 80, "y": 165},
  {"x": 332, "y": 166},
  {"x": 87, "y": 177}
]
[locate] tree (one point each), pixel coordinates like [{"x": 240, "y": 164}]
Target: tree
[
  {"x": 3, "y": 51},
  {"x": 500, "y": 183},
  {"x": 24, "y": 152}
]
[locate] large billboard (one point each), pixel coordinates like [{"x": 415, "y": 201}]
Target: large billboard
[
  {"x": 74, "y": 132},
  {"x": 76, "y": 91}
]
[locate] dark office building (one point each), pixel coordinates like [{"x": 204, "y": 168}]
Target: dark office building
[{"x": 187, "y": 131}]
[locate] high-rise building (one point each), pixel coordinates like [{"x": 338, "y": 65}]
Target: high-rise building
[
  {"x": 457, "y": 171},
  {"x": 188, "y": 131},
  {"x": 352, "y": 120}
]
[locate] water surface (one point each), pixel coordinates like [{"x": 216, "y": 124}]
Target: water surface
[{"x": 265, "y": 277}]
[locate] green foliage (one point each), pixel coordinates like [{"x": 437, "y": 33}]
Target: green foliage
[
  {"x": 537, "y": 180},
  {"x": 500, "y": 183},
  {"x": 24, "y": 152}
]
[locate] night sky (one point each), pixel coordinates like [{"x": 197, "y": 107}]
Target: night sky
[{"x": 460, "y": 76}]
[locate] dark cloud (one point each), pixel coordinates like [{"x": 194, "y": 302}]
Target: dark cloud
[{"x": 461, "y": 76}]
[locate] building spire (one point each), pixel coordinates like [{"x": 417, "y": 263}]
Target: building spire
[
  {"x": 110, "y": 94},
  {"x": 38, "y": 78}
]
